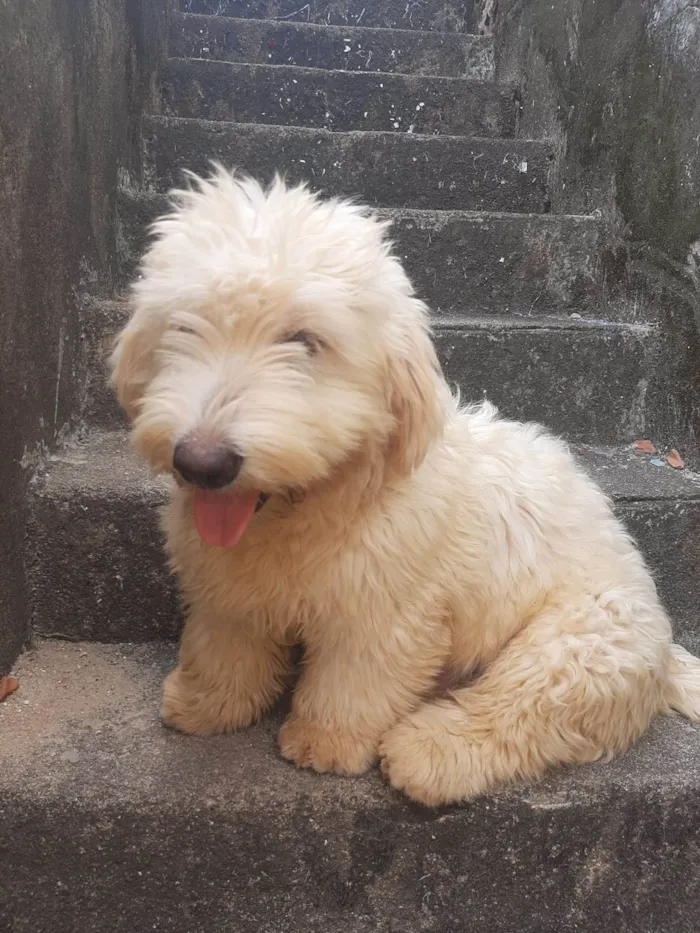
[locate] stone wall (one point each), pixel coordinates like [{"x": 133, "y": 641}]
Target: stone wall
[
  {"x": 75, "y": 79},
  {"x": 619, "y": 80},
  {"x": 616, "y": 83}
]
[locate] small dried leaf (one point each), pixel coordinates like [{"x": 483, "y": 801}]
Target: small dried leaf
[
  {"x": 675, "y": 460},
  {"x": 644, "y": 447},
  {"x": 8, "y": 685}
]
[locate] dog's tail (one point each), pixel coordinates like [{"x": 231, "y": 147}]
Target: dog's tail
[{"x": 683, "y": 690}]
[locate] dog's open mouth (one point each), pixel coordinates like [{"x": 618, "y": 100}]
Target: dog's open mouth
[{"x": 222, "y": 516}]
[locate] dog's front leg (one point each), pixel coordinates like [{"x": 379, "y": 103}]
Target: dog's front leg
[
  {"x": 359, "y": 679},
  {"x": 228, "y": 675}
]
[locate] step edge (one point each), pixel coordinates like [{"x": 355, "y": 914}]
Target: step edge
[
  {"x": 513, "y": 322},
  {"x": 154, "y": 487},
  {"x": 328, "y": 27},
  {"x": 500, "y": 142},
  {"x": 389, "y": 213},
  {"x": 531, "y": 323},
  {"x": 502, "y": 89}
]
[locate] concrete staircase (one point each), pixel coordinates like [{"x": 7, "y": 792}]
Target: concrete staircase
[{"x": 112, "y": 823}]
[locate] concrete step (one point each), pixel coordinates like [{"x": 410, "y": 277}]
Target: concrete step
[
  {"x": 97, "y": 570},
  {"x": 131, "y": 827},
  {"x": 591, "y": 381},
  {"x": 460, "y": 261},
  {"x": 347, "y": 48},
  {"x": 383, "y": 169},
  {"x": 341, "y": 101},
  {"x": 443, "y": 15}
]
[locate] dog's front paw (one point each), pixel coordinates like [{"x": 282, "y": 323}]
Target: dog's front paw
[
  {"x": 191, "y": 708},
  {"x": 310, "y": 745}
]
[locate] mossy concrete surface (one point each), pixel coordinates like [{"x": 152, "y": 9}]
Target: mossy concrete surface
[
  {"x": 615, "y": 85},
  {"x": 618, "y": 83},
  {"x": 75, "y": 78}
]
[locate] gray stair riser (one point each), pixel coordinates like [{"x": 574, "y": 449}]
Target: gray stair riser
[
  {"x": 610, "y": 859},
  {"x": 341, "y": 101},
  {"x": 98, "y": 570},
  {"x": 382, "y": 169},
  {"x": 598, "y": 384},
  {"x": 460, "y": 263},
  {"x": 110, "y": 558},
  {"x": 444, "y": 15},
  {"x": 100, "y": 406},
  {"x": 132, "y": 827},
  {"x": 347, "y": 48},
  {"x": 668, "y": 534}
]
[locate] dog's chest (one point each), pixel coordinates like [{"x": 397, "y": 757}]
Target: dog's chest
[{"x": 287, "y": 572}]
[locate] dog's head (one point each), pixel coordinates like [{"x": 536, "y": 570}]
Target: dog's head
[{"x": 274, "y": 337}]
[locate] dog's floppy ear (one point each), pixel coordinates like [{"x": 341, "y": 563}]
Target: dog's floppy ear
[
  {"x": 131, "y": 361},
  {"x": 415, "y": 397}
]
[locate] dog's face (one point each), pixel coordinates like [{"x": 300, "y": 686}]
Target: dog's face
[{"x": 273, "y": 338}]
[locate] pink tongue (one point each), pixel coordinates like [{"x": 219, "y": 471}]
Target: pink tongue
[{"x": 222, "y": 517}]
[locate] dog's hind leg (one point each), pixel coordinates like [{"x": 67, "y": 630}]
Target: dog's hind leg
[
  {"x": 228, "y": 676},
  {"x": 580, "y": 682}
]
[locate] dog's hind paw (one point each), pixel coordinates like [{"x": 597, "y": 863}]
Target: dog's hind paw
[
  {"x": 310, "y": 745},
  {"x": 429, "y": 765}
]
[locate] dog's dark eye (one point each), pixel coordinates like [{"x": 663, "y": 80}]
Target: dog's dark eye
[
  {"x": 309, "y": 341},
  {"x": 183, "y": 329}
]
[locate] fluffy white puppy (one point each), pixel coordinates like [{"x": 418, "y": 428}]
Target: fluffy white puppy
[{"x": 331, "y": 492}]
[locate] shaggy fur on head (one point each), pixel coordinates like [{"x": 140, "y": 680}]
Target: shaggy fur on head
[{"x": 399, "y": 536}]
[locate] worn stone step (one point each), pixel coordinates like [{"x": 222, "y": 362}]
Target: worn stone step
[
  {"x": 346, "y": 48},
  {"x": 105, "y": 320},
  {"x": 132, "y": 827},
  {"x": 444, "y": 15},
  {"x": 591, "y": 381},
  {"x": 97, "y": 570},
  {"x": 382, "y": 169},
  {"x": 341, "y": 101},
  {"x": 465, "y": 262},
  {"x": 588, "y": 380}
]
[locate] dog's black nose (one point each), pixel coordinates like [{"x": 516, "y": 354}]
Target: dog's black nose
[{"x": 210, "y": 466}]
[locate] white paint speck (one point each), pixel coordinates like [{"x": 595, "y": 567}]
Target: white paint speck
[{"x": 522, "y": 168}]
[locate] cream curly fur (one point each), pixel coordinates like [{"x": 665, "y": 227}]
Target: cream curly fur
[{"x": 403, "y": 535}]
